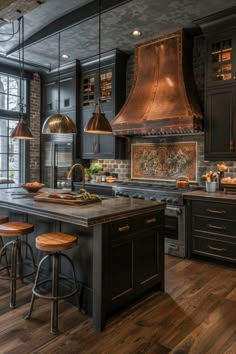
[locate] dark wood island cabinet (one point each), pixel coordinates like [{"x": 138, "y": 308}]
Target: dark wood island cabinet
[{"x": 120, "y": 252}]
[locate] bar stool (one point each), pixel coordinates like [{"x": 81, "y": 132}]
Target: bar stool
[
  {"x": 53, "y": 243},
  {"x": 17, "y": 229}
]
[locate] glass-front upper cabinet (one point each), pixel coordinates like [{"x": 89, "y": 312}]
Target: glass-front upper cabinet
[
  {"x": 106, "y": 86},
  {"x": 90, "y": 88},
  {"x": 221, "y": 64},
  {"x": 221, "y": 60}
]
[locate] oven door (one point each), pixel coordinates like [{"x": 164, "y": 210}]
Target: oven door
[{"x": 174, "y": 231}]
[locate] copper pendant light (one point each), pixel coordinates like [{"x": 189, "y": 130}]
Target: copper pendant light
[
  {"x": 21, "y": 131},
  {"x": 59, "y": 123},
  {"x": 98, "y": 123}
]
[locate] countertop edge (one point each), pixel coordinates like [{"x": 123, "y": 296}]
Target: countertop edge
[{"x": 76, "y": 220}]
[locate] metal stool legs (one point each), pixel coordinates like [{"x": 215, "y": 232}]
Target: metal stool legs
[
  {"x": 15, "y": 255},
  {"x": 4, "y": 255},
  {"x": 54, "y": 288}
]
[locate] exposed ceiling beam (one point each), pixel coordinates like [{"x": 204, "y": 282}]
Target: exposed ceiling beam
[
  {"x": 71, "y": 19},
  {"x": 10, "y": 10}
]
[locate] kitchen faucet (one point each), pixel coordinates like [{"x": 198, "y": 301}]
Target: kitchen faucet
[{"x": 70, "y": 174}]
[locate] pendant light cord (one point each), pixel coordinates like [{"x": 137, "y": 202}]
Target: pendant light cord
[
  {"x": 20, "y": 64},
  {"x": 21, "y": 61},
  {"x": 59, "y": 74}
]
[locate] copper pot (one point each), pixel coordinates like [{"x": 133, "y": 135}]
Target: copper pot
[{"x": 182, "y": 182}]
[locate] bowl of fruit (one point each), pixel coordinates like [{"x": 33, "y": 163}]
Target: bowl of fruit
[{"x": 33, "y": 187}]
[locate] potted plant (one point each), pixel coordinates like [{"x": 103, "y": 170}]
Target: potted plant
[
  {"x": 94, "y": 169},
  {"x": 88, "y": 174}
]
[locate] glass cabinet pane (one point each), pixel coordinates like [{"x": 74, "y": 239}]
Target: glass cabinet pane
[
  {"x": 106, "y": 86},
  {"x": 88, "y": 91},
  {"x": 221, "y": 59}
]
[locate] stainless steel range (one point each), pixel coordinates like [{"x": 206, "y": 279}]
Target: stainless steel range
[{"x": 175, "y": 232}]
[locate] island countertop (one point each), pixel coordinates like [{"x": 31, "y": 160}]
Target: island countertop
[{"x": 109, "y": 209}]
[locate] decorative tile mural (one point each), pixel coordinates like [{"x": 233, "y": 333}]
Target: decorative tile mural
[{"x": 164, "y": 161}]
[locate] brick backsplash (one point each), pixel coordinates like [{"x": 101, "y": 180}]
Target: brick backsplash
[
  {"x": 123, "y": 167},
  {"x": 35, "y": 99}
]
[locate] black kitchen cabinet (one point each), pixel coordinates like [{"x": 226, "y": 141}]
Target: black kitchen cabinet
[
  {"x": 135, "y": 263},
  {"x": 220, "y": 126},
  {"x": 220, "y": 86},
  {"x": 212, "y": 229},
  {"x": 112, "y": 94},
  {"x": 68, "y": 92}
]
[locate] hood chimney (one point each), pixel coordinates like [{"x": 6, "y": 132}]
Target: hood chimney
[{"x": 163, "y": 99}]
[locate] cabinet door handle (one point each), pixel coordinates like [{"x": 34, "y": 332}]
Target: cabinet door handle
[
  {"x": 217, "y": 249},
  {"x": 216, "y": 227},
  {"x": 216, "y": 211},
  {"x": 124, "y": 228},
  {"x": 150, "y": 221}
]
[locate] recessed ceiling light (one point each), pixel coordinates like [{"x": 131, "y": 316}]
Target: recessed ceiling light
[
  {"x": 65, "y": 56},
  {"x": 136, "y": 33}
]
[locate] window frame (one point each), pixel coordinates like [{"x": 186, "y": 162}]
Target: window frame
[{"x": 14, "y": 115}]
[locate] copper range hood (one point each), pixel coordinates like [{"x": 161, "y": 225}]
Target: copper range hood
[{"x": 163, "y": 99}]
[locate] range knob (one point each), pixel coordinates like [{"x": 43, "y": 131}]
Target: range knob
[
  {"x": 140, "y": 196},
  {"x": 118, "y": 193},
  {"x": 152, "y": 198},
  {"x": 135, "y": 196},
  {"x": 163, "y": 199},
  {"x": 175, "y": 201},
  {"x": 169, "y": 200}
]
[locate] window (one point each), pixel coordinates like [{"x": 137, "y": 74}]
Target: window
[
  {"x": 11, "y": 151},
  {"x": 10, "y": 92}
]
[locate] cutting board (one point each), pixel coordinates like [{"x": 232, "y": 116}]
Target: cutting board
[{"x": 41, "y": 198}]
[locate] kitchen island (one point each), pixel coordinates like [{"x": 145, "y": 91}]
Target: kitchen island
[{"x": 120, "y": 252}]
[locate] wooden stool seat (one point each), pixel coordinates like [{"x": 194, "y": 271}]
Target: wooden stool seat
[
  {"x": 55, "y": 242},
  {"x": 13, "y": 249},
  {"x": 3, "y": 219},
  {"x": 15, "y": 228}
]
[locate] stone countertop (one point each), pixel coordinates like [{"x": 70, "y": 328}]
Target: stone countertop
[
  {"x": 107, "y": 210},
  {"x": 217, "y": 196}
]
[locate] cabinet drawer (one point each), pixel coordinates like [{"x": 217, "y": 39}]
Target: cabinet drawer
[
  {"x": 214, "y": 210},
  {"x": 136, "y": 224},
  {"x": 213, "y": 225},
  {"x": 214, "y": 248},
  {"x": 149, "y": 220}
]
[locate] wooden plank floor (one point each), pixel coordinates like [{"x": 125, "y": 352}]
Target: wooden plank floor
[{"x": 196, "y": 315}]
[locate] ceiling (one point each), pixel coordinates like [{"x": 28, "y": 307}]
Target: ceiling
[{"x": 154, "y": 18}]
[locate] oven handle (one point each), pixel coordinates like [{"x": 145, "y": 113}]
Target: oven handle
[{"x": 173, "y": 211}]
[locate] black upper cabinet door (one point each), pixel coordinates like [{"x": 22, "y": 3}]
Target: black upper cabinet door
[
  {"x": 112, "y": 87},
  {"x": 220, "y": 84},
  {"x": 220, "y": 115}
]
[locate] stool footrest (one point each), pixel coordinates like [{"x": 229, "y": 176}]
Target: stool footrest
[{"x": 55, "y": 297}]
